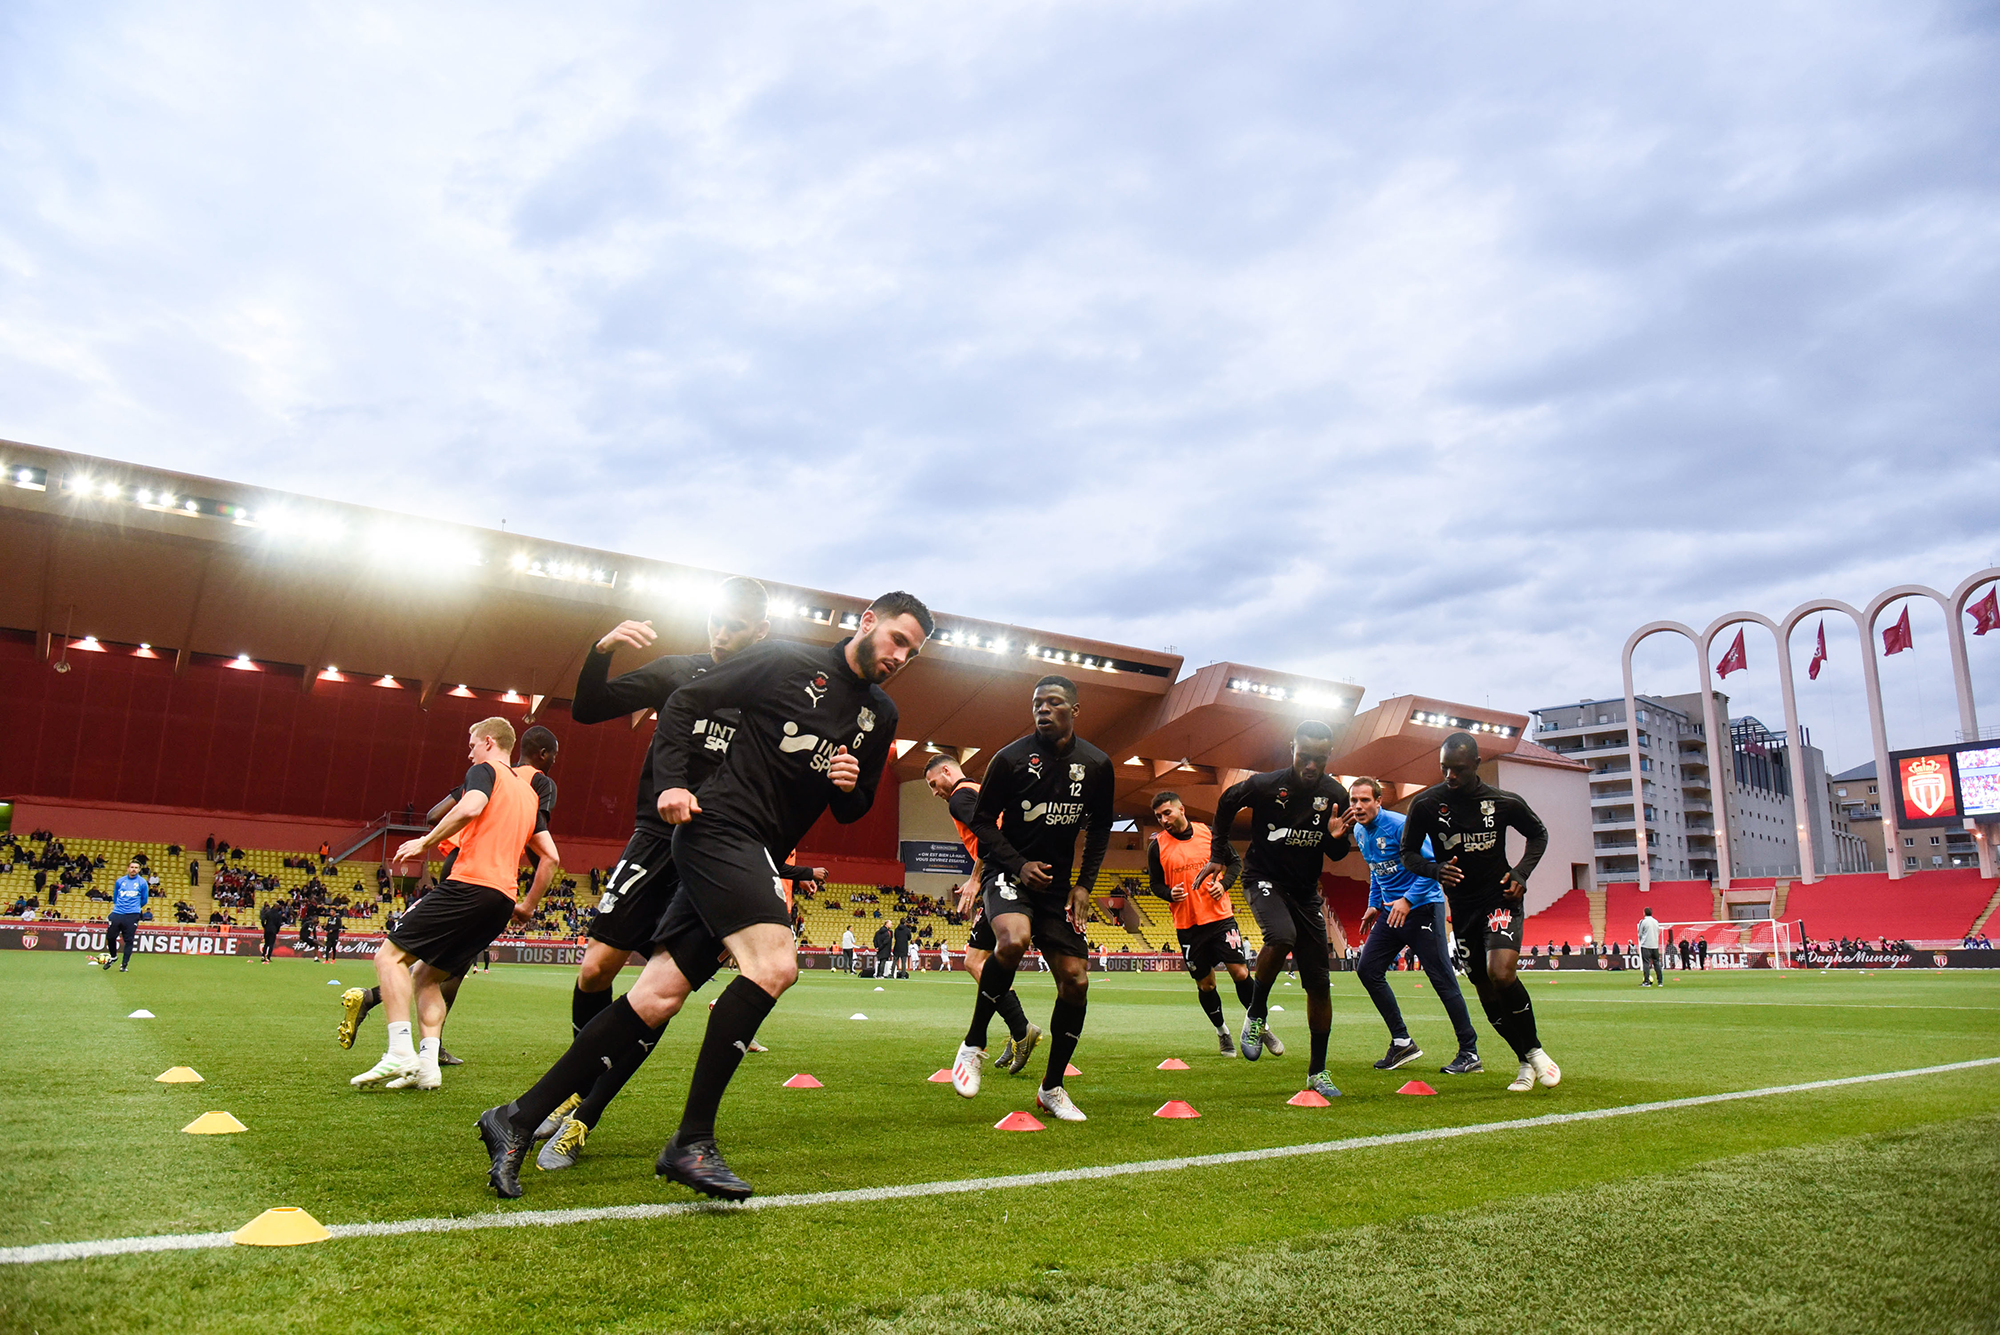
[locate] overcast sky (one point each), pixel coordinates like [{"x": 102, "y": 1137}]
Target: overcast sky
[{"x": 1435, "y": 347}]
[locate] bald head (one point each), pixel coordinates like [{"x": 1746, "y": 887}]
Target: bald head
[{"x": 1459, "y": 759}]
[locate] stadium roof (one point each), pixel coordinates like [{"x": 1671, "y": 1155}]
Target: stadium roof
[{"x": 188, "y": 565}]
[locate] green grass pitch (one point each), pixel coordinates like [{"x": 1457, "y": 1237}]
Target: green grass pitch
[{"x": 1866, "y": 1207}]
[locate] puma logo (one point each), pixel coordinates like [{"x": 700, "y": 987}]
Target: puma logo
[
  {"x": 646, "y": 1045},
  {"x": 741, "y": 1047}
]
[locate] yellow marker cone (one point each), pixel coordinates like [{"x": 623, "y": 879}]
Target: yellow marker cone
[
  {"x": 213, "y": 1124},
  {"x": 178, "y": 1075},
  {"x": 280, "y": 1226}
]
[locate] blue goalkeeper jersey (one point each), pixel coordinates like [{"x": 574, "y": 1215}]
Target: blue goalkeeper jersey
[
  {"x": 1381, "y": 844},
  {"x": 129, "y": 895}
]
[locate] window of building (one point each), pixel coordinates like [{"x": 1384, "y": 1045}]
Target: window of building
[
  {"x": 1642, "y": 716},
  {"x": 1841, "y": 791},
  {"x": 1908, "y": 842},
  {"x": 1910, "y": 861},
  {"x": 1937, "y": 861},
  {"x": 1935, "y": 841}
]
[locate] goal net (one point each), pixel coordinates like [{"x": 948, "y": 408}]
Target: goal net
[{"x": 1762, "y": 943}]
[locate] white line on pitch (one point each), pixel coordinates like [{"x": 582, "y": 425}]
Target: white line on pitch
[{"x": 176, "y": 1242}]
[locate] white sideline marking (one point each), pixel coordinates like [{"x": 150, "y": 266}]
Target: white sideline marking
[{"x": 180, "y": 1242}]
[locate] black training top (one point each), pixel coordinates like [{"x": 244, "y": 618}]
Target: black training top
[
  {"x": 1287, "y": 827},
  {"x": 798, "y": 704},
  {"x": 1044, "y": 794},
  {"x": 650, "y": 687},
  {"x": 1471, "y": 825}
]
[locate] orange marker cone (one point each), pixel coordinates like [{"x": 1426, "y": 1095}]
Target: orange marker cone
[
  {"x": 280, "y": 1226},
  {"x": 213, "y": 1124},
  {"x": 940, "y": 1077},
  {"x": 1309, "y": 1098},
  {"x": 1172, "y": 1064},
  {"x": 178, "y": 1075},
  {"x": 1416, "y": 1087},
  {"x": 804, "y": 1081},
  {"x": 1176, "y": 1108},
  {"x": 1070, "y": 1070},
  {"x": 1018, "y": 1121}
]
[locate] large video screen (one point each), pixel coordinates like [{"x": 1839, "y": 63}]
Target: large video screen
[{"x": 1942, "y": 785}]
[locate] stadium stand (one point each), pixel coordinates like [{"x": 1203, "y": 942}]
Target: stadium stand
[
  {"x": 1671, "y": 901},
  {"x": 1568, "y": 919},
  {"x": 1935, "y": 908}
]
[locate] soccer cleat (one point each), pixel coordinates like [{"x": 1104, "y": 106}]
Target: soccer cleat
[
  {"x": 106, "y": 961},
  {"x": 1401, "y": 1053},
  {"x": 391, "y": 1067},
  {"x": 1225, "y": 1042},
  {"x": 1320, "y": 1083},
  {"x": 965, "y": 1070},
  {"x": 446, "y": 1059},
  {"x": 1057, "y": 1103},
  {"x": 755, "y": 1046},
  {"x": 424, "y": 1077},
  {"x": 554, "y": 1121},
  {"x": 1465, "y": 1063},
  {"x": 1006, "y": 1057},
  {"x": 1524, "y": 1080},
  {"x": 1023, "y": 1049},
  {"x": 1545, "y": 1069},
  {"x": 565, "y": 1147},
  {"x": 699, "y": 1166},
  {"x": 505, "y": 1144},
  {"x": 353, "y": 1005},
  {"x": 1253, "y": 1038},
  {"x": 1272, "y": 1045}
]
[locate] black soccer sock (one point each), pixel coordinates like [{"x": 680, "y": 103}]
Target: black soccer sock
[
  {"x": 1211, "y": 1006},
  {"x": 1009, "y": 1010},
  {"x": 995, "y": 982},
  {"x": 624, "y": 1066},
  {"x": 1246, "y": 991},
  {"x": 1319, "y": 1038},
  {"x": 595, "y": 1050},
  {"x": 1260, "y": 998},
  {"x": 585, "y": 1007},
  {"x": 1520, "y": 1014},
  {"x": 370, "y": 1000},
  {"x": 1065, "y": 1027},
  {"x": 731, "y": 1025}
]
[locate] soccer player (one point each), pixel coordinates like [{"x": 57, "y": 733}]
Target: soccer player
[
  {"x": 128, "y": 901},
  {"x": 330, "y": 939},
  {"x": 1405, "y": 911},
  {"x": 946, "y": 778},
  {"x": 814, "y": 733},
  {"x": 643, "y": 881},
  {"x": 1467, "y": 819},
  {"x": 538, "y": 754},
  {"x": 1649, "y": 950},
  {"x": 272, "y": 916},
  {"x": 1204, "y": 920},
  {"x": 1297, "y": 817},
  {"x": 1045, "y": 785},
  {"x": 437, "y": 940}
]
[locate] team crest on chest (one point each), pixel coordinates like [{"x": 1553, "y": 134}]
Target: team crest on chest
[
  {"x": 865, "y": 720},
  {"x": 1076, "y": 772}
]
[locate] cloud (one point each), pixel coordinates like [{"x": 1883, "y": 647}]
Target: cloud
[{"x": 1433, "y": 348}]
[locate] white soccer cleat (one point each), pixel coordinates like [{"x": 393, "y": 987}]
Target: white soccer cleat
[
  {"x": 1272, "y": 1044},
  {"x": 965, "y": 1070},
  {"x": 424, "y": 1077},
  {"x": 1545, "y": 1068},
  {"x": 1056, "y": 1102},
  {"x": 391, "y": 1067},
  {"x": 1524, "y": 1080}
]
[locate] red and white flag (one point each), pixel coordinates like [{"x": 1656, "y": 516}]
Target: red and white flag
[
  {"x": 1987, "y": 611},
  {"x": 1819, "y": 654},
  {"x": 1735, "y": 660},
  {"x": 1897, "y": 637}
]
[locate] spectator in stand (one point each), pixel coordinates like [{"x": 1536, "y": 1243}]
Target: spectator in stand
[
  {"x": 210, "y": 846},
  {"x": 194, "y": 873}
]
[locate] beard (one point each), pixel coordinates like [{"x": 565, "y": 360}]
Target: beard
[{"x": 870, "y": 660}]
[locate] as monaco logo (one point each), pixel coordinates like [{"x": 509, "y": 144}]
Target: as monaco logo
[
  {"x": 29, "y": 940},
  {"x": 1925, "y": 784},
  {"x": 1937, "y": 960}
]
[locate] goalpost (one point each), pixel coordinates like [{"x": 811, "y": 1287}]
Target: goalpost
[{"x": 1757, "y": 943}]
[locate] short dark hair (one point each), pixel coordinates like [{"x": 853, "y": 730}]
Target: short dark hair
[
  {"x": 1068, "y": 686},
  {"x": 941, "y": 758},
  {"x": 740, "y": 593},
  {"x": 1462, "y": 744},
  {"x": 1314, "y": 729},
  {"x": 1164, "y": 796},
  {"x": 896, "y": 603},
  {"x": 539, "y": 738},
  {"x": 1373, "y": 783}
]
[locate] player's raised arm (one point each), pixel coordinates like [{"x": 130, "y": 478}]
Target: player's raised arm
[
  {"x": 1222, "y": 853},
  {"x": 600, "y": 697}
]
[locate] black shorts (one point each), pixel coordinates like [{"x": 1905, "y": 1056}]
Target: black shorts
[
  {"x": 1292, "y": 923},
  {"x": 636, "y": 894},
  {"x": 981, "y": 935},
  {"x": 449, "y": 927},
  {"x": 1211, "y": 944},
  {"x": 728, "y": 883},
  {"x": 1488, "y": 923},
  {"x": 1046, "y": 910}
]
